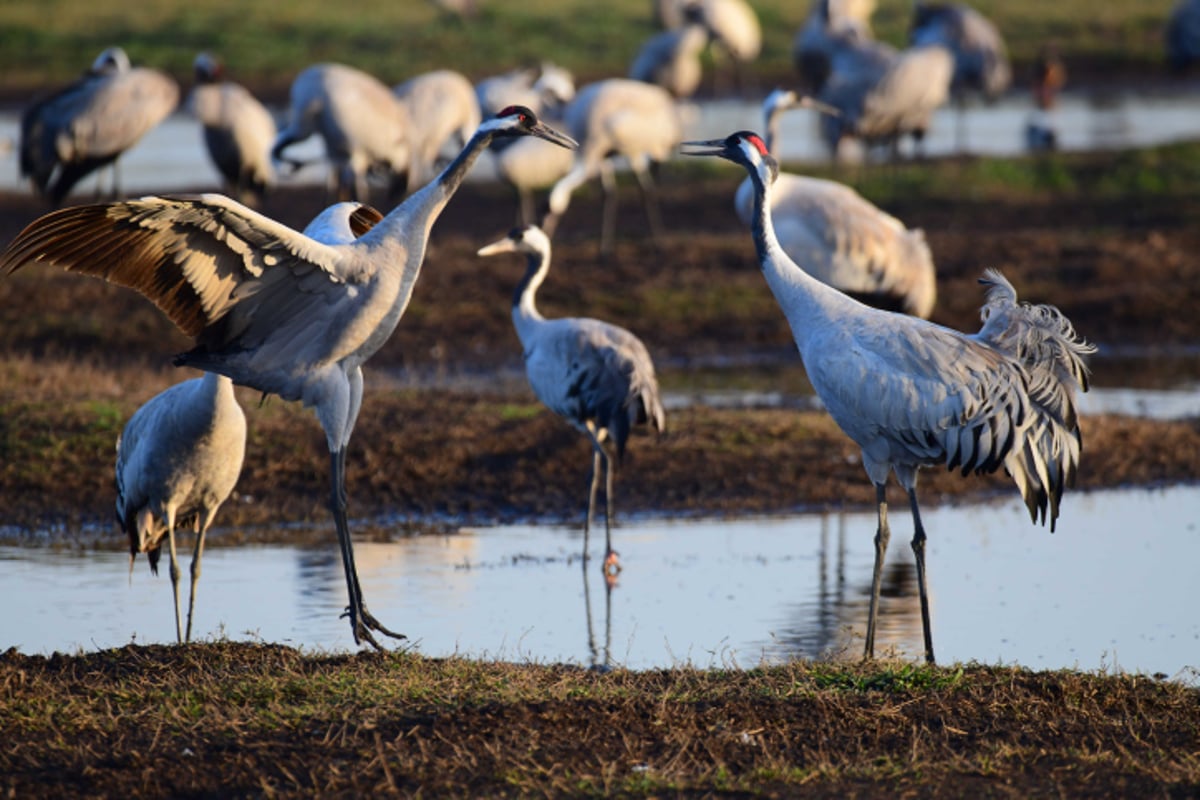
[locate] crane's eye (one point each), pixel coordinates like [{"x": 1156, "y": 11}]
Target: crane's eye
[{"x": 520, "y": 113}]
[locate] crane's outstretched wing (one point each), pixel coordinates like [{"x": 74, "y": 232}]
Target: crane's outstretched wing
[{"x": 195, "y": 256}]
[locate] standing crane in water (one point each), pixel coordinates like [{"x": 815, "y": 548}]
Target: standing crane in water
[
  {"x": 271, "y": 308},
  {"x": 912, "y": 393},
  {"x": 595, "y": 375},
  {"x": 90, "y": 123},
  {"x": 178, "y": 458}
]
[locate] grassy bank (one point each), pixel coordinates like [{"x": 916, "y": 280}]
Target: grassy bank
[
  {"x": 265, "y": 44},
  {"x": 238, "y": 720}
]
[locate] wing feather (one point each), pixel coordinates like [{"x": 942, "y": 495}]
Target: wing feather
[{"x": 195, "y": 256}]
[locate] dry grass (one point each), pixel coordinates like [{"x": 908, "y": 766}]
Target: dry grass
[{"x": 236, "y": 719}]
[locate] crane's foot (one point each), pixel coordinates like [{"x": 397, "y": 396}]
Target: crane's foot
[{"x": 362, "y": 623}]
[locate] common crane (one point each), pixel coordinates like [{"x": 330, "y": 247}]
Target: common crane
[
  {"x": 838, "y": 236},
  {"x": 595, "y": 375},
  {"x": 671, "y": 58},
  {"x": 269, "y": 307},
  {"x": 882, "y": 98},
  {"x": 364, "y": 127},
  {"x": 981, "y": 64},
  {"x": 178, "y": 458},
  {"x": 90, "y": 123},
  {"x": 615, "y": 118},
  {"x": 833, "y": 29},
  {"x": 238, "y": 130},
  {"x": 442, "y": 109},
  {"x": 911, "y": 393}
]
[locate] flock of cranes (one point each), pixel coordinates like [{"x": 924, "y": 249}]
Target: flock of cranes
[{"x": 298, "y": 313}]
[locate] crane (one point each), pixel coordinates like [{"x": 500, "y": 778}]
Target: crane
[
  {"x": 178, "y": 458},
  {"x": 595, "y": 375},
  {"x": 838, "y": 236},
  {"x": 834, "y": 29},
  {"x": 671, "y": 58},
  {"x": 981, "y": 62},
  {"x": 238, "y": 130},
  {"x": 91, "y": 122},
  {"x": 614, "y": 118},
  {"x": 181, "y": 453},
  {"x": 364, "y": 126},
  {"x": 882, "y": 97},
  {"x": 543, "y": 88},
  {"x": 912, "y": 393},
  {"x": 269, "y": 307},
  {"x": 441, "y": 108},
  {"x": 733, "y": 26}
]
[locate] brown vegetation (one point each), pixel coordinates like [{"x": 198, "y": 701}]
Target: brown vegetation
[{"x": 236, "y": 720}]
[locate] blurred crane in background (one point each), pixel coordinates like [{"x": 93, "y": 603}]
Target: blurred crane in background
[
  {"x": 90, "y": 123},
  {"x": 238, "y": 130}
]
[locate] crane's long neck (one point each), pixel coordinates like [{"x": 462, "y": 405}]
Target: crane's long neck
[
  {"x": 805, "y": 301},
  {"x": 772, "y": 125},
  {"x": 402, "y": 235},
  {"x": 416, "y": 215},
  {"x": 524, "y": 305}
]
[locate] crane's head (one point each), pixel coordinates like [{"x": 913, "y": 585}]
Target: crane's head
[
  {"x": 528, "y": 239},
  {"x": 784, "y": 99},
  {"x": 521, "y": 121},
  {"x": 744, "y": 147},
  {"x": 112, "y": 61},
  {"x": 207, "y": 68}
]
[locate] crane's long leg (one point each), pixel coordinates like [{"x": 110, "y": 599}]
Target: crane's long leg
[
  {"x": 203, "y": 521},
  {"x": 918, "y": 546},
  {"x": 174, "y": 572},
  {"x": 882, "y": 534},
  {"x": 591, "y": 508},
  {"x": 612, "y": 563},
  {"x": 361, "y": 621},
  {"x": 649, "y": 191}
]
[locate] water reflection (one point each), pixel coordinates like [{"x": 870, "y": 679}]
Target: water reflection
[{"x": 1113, "y": 587}]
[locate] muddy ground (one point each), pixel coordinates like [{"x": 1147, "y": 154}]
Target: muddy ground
[{"x": 450, "y": 432}]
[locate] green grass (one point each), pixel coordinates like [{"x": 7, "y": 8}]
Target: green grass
[{"x": 43, "y": 43}]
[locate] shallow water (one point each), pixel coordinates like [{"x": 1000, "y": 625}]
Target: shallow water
[
  {"x": 1114, "y": 587},
  {"x": 172, "y": 156}
]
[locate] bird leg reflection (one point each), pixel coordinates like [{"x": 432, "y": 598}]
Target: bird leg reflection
[{"x": 602, "y": 665}]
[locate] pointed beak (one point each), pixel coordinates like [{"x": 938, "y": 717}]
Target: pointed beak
[
  {"x": 817, "y": 105},
  {"x": 710, "y": 147},
  {"x": 505, "y": 245},
  {"x": 544, "y": 131}
]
